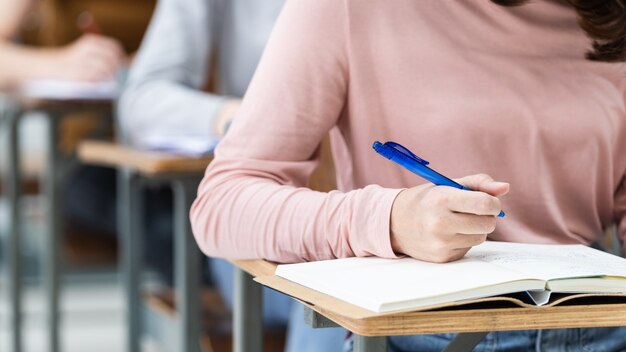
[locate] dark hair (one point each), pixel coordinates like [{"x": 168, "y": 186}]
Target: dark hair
[{"x": 604, "y": 21}]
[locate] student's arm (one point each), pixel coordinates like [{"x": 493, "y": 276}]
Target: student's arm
[
  {"x": 12, "y": 13},
  {"x": 90, "y": 58},
  {"x": 251, "y": 203},
  {"x": 15, "y": 61},
  {"x": 162, "y": 97}
]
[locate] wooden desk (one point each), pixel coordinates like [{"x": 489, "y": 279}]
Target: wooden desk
[
  {"x": 136, "y": 168},
  {"x": 148, "y": 163},
  {"x": 371, "y": 328},
  {"x": 12, "y": 110}
]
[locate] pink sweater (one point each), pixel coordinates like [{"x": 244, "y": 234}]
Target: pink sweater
[{"x": 468, "y": 85}]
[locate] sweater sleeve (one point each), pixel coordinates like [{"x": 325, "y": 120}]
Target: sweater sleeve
[
  {"x": 170, "y": 68},
  {"x": 252, "y": 202}
]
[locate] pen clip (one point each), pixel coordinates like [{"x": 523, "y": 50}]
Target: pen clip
[{"x": 406, "y": 152}]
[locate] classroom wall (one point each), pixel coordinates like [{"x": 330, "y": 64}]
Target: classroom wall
[{"x": 53, "y": 22}]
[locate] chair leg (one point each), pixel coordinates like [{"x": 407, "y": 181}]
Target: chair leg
[
  {"x": 130, "y": 214},
  {"x": 186, "y": 267},
  {"x": 247, "y": 320},
  {"x": 10, "y": 119}
]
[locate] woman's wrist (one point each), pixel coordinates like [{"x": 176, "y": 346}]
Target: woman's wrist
[{"x": 29, "y": 63}]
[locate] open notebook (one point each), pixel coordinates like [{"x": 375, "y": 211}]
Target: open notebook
[
  {"x": 490, "y": 269},
  {"x": 182, "y": 145},
  {"x": 69, "y": 90}
]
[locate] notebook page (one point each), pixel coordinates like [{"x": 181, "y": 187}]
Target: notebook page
[
  {"x": 548, "y": 261},
  {"x": 373, "y": 282},
  {"x": 181, "y": 145}
]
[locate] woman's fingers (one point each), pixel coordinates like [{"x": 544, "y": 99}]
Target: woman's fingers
[
  {"x": 469, "y": 202},
  {"x": 440, "y": 224},
  {"x": 484, "y": 183}
]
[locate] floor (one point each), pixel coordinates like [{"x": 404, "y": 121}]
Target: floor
[
  {"x": 92, "y": 317},
  {"x": 91, "y": 301}
]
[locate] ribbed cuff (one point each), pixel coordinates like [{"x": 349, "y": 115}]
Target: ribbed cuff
[{"x": 373, "y": 231}]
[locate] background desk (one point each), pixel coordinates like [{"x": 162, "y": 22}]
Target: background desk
[
  {"x": 136, "y": 168},
  {"x": 12, "y": 111}
]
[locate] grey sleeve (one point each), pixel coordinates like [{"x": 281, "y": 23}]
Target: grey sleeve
[{"x": 162, "y": 96}]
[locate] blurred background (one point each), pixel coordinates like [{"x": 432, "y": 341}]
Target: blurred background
[
  {"x": 91, "y": 299},
  {"x": 102, "y": 147}
]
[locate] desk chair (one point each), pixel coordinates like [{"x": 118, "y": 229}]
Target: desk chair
[
  {"x": 183, "y": 173},
  {"x": 13, "y": 109},
  {"x": 136, "y": 169}
]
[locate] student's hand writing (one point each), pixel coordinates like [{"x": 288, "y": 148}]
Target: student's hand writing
[
  {"x": 440, "y": 224},
  {"x": 90, "y": 58}
]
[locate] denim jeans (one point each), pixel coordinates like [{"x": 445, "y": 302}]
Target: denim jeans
[
  {"x": 553, "y": 340},
  {"x": 303, "y": 338},
  {"x": 282, "y": 310}
]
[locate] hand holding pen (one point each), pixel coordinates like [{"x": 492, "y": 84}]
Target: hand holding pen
[
  {"x": 92, "y": 57},
  {"x": 440, "y": 224}
]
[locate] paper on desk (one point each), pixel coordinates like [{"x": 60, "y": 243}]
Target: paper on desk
[
  {"x": 69, "y": 90},
  {"x": 188, "y": 146}
]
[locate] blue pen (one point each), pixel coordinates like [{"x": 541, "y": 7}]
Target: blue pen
[{"x": 404, "y": 157}]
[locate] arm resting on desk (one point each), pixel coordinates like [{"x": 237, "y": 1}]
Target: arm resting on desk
[{"x": 252, "y": 203}]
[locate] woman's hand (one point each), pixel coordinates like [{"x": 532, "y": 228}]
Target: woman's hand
[
  {"x": 90, "y": 58},
  {"x": 440, "y": 224}
]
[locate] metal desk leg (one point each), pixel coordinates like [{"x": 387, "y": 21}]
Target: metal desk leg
[
  {"x": 370, "y": 344},
  {"x": 186, "y": 265},
  {"x": 13, "y": 247},
  {"x": 51, "y": 262},
  {"x": 247, "y": 310},
  {"x": 465, "y": 342},
  {"x": 316, "y": 320},
  {"x": 130, "y": 215}
]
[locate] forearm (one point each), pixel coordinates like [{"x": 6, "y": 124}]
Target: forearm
[
  {"x": 19, "y": 63},
  {"x": 12, "y": 14},
  {"x": 243, "y": 214},
  {"x": 251, "y": 203}
]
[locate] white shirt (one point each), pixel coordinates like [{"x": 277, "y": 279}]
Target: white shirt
[{"x": 162, "y": 97}]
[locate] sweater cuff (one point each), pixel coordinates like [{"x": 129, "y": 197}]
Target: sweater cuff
[{"x": 376, "y": 232}]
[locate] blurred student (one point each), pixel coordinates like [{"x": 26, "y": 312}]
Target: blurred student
[
  {"x": 163, "y": 99},
  {"x": 90, "y": 58}
]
